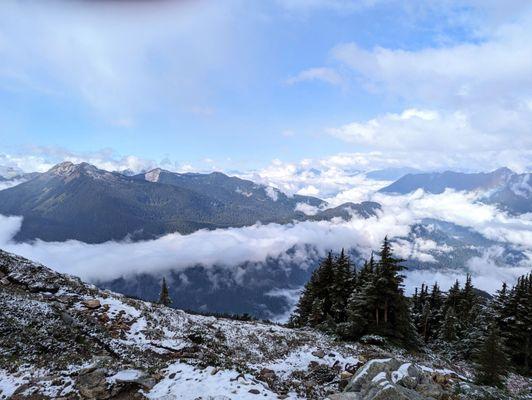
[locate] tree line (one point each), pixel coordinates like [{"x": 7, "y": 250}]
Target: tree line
[{"x": 464, "y": 322}]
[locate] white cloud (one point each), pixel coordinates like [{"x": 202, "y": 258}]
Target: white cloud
[
  {"x": 307, "y": 209},
  {"x": 327, "y": 75},
  {"x": 120, "y": 58},
  {"x": 234, "y": 246}
]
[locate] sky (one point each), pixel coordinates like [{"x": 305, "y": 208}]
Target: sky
[{"x": 247, "y": 86}]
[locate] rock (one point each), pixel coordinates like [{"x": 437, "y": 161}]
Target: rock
[
  {"x": 369, "y": 371},
  {"x": 254, "y": 391},
  {"x": 93, "y": 385},
  {"x": 318, "y": 353},
  {"x": 135, "y": 376},
  {"x": 344, "y": 396},
  {"x": 266, "y": 374},
  {"x": 389, "y": 379},
  {"x": 345, "y": 375},
  {"x": 91, "y": 304}
]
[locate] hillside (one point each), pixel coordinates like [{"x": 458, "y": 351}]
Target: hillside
[
  {"x": 92, "y": 205},
  {"x": 61, "y": 338}
]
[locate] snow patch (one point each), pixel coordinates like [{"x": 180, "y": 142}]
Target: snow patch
[{"x": 183, "y": 381}]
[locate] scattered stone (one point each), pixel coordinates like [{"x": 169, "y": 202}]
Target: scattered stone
[
  {"x": 345, "y": 375},
  {"x": 91, "y": 304},
  {"x": 318, "y": 353},
  {"x": 266, "y": 374},
  {"x": 254, "y": 391}
]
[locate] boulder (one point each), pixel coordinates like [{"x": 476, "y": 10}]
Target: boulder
[
  {"x": 93, "y": 385},
  {"x": 390, "y": 379},
  {"x": 91, "y": 304}
]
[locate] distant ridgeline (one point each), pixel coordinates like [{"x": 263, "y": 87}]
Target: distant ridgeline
[
  {"x": 88, "y": 204},
  {"x": 464, "y": 323}
]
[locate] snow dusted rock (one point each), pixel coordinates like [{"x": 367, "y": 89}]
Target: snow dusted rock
[{"x": 391, "y": 379}]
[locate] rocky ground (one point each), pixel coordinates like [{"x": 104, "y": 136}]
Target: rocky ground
[{"x": 63, "y": 339}]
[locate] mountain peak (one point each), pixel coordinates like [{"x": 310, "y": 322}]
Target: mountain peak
[
  {"x": 69, "y": 169},
  {"x": 153, "y": 175},
  {"x": 503, "y": 171}
]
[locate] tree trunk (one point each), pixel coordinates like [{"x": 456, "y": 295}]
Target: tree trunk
[{"x": 377, "y": 315}]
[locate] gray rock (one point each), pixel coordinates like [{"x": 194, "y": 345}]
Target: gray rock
[
  {"x": 93, "y": 384},
  {"x": 390, "y": 379}
]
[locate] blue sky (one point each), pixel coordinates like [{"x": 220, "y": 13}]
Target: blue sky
[{"x": 235, "y": 84}]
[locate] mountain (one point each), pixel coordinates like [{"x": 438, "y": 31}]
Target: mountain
[
  {"x": 437, "y": 182},
  {"x": 391, "y": 174},
  {"x": 508, "y": 190},
  {"x": 14, "y": 175},
  {"x": 92, "y": 205},
  {"x": 232, "y": 190},
  {"x": 515, "y": 196},
  {"x": 63, "y": 339}
]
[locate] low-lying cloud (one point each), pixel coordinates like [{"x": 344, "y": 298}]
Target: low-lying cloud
[{"x": 235, "y": 246}]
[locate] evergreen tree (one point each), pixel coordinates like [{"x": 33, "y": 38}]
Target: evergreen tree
[
  {"x": 343, "y": 284},
  {"x": 305, "y": 305},
  {"x": 316, "y": 303},
  {"x": 491, "y": 360},
  {"x": 436, "y": 312},
  {"x": 449, "y": 327},
  {"x": 518, "y": 325},
  {"x": 164, "y": 297},
  {"x": 378, "y": 305}
]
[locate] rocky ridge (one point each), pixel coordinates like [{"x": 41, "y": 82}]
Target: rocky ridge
[{"x": 63, "y": 339}]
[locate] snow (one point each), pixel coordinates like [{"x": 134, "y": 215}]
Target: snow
[
  {"x": 381, "y": 376},
  {"x": 125, "y": 375},
  {"x": 192, "y": 383},
  {"x": 9, "y": 383},
  {"x": 300, "y": 359},
  {"x": 243, "y": 193},
  {"x": 401, "y": 372},
  {"x": 153, "y": 175},
  {"x": 366, "y": 367}
]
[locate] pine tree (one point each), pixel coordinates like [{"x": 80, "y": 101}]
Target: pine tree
[
  {"x": 378, "y": 305},
  {"x": 449, "y": 327},
  {"x": 316, "y": 303},
  {"x": 305, "y": 305},
  {"x": 164, "y": 297},
  {"x": 518, "y": 325},
  {"x": 436, "y": 312},
  {"x": 491, "y": 359},
  {"x": 343, "y": 284}
]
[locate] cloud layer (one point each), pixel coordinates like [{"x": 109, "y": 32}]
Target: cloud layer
[{"x": 232, "y": 247}]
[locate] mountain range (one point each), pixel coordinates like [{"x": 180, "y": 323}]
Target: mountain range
[
  {"x": 510, "y": 191},
  {"x": 82, "y": 202}
]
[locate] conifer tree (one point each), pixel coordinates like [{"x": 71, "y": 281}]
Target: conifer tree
[
  {"x": 436, "y": 311},
  {"x": 518, "y": 325},
  {"x": 164, "y": 297},
  {"x": 343, "y": 284},
  {"x": 378, "y": 305},
  {"x": 305, "y": 305},
  {"x": 449, "y": 328},
  {"x": 491, "y": 360}
]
